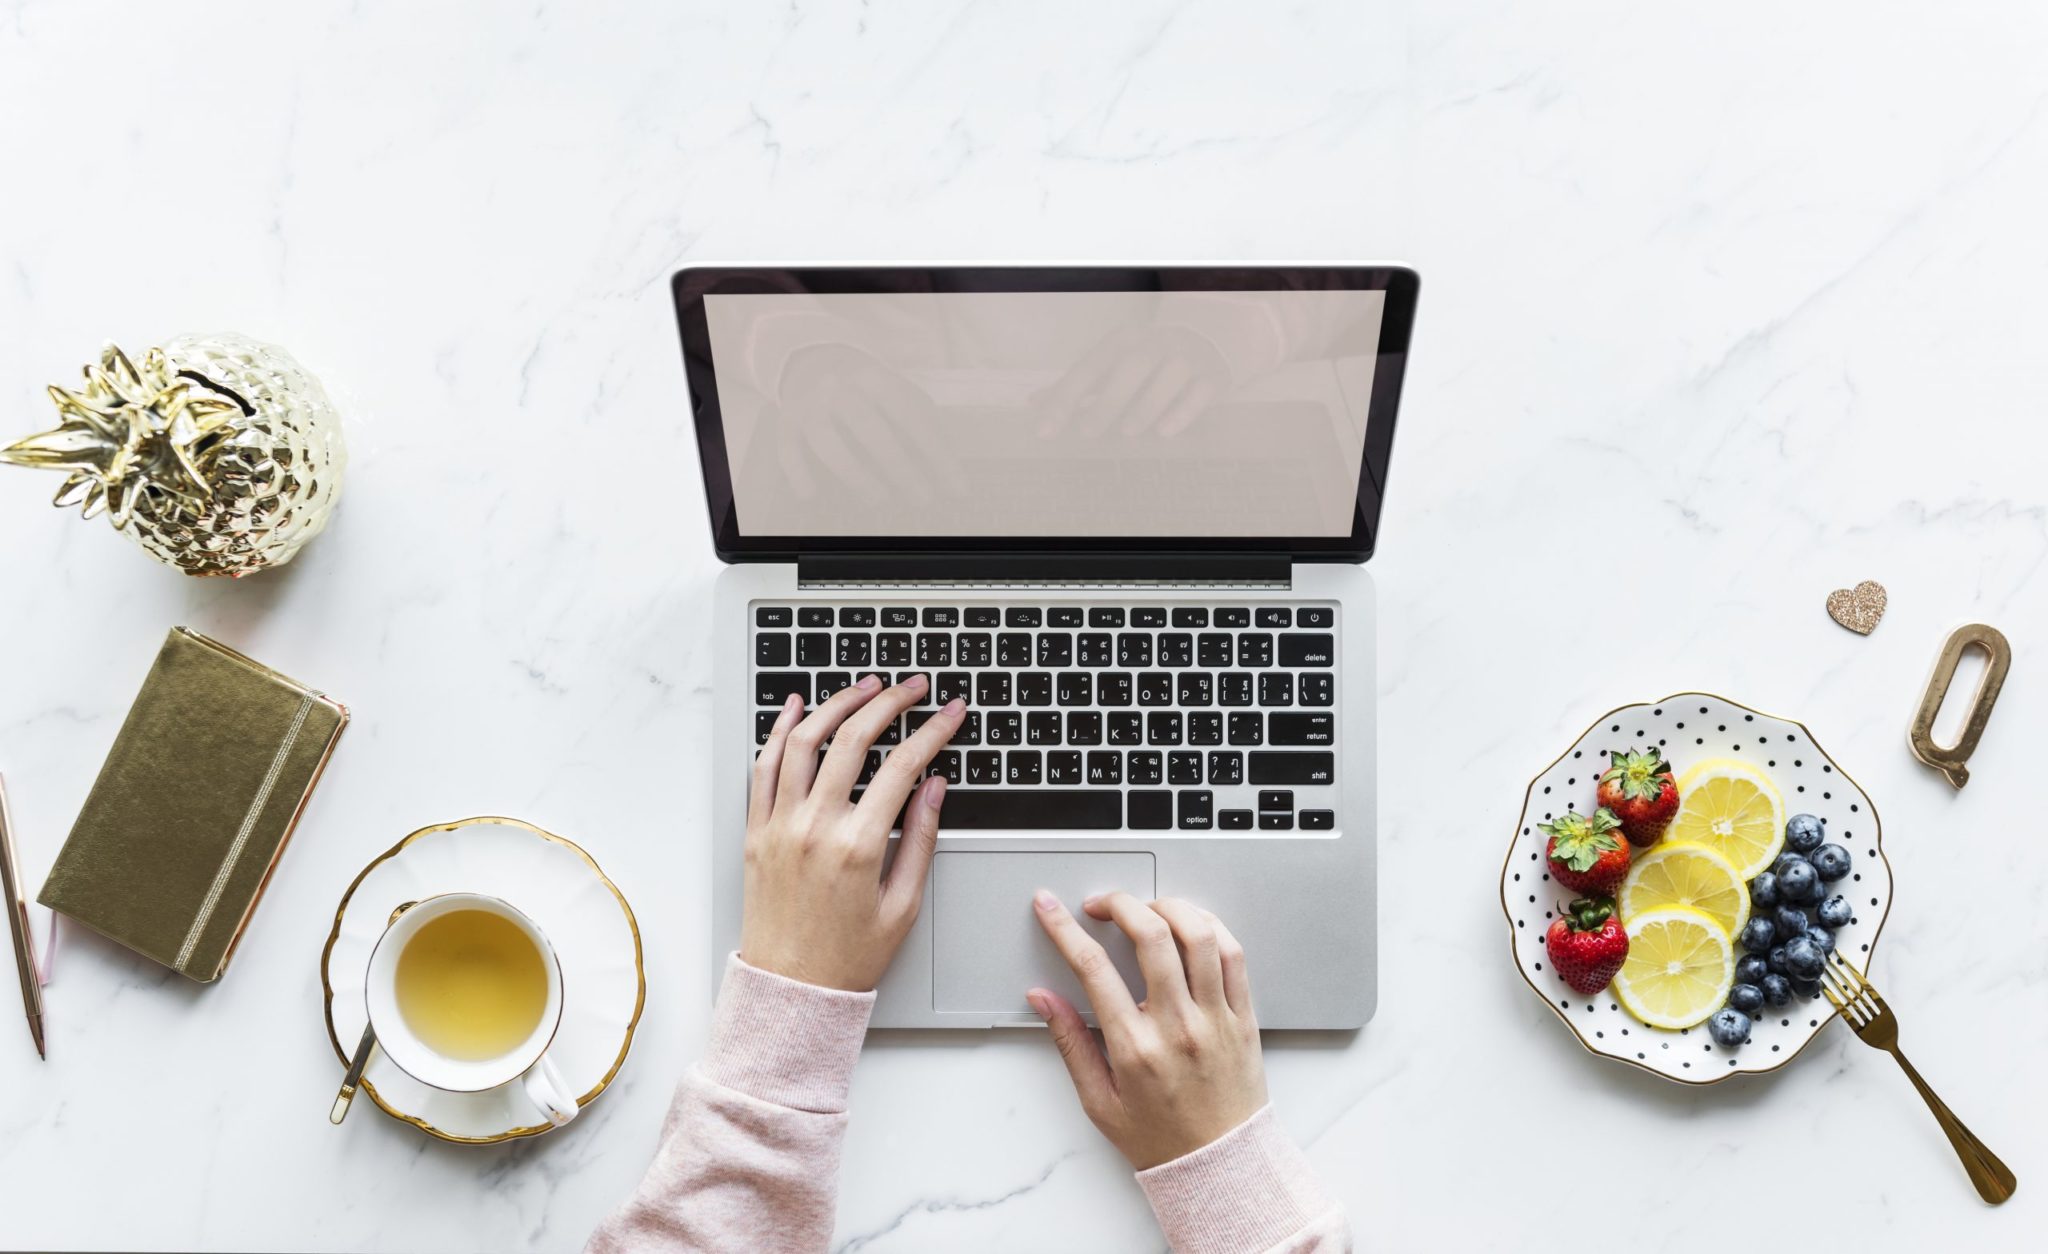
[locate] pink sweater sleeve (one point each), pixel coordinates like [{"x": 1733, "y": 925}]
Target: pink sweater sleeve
[
  {"x": 1249, "y": 1191},
  {"x": 749, "y": 1156}
]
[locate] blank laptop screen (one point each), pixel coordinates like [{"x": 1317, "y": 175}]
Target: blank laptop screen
[{"x": 1118, "y": 413}]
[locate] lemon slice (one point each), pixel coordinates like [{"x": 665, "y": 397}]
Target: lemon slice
[
  {"x": 1680, "y": 967},
  {"x": 1733, "y": 809},
  {"x": 1686, "y": 875}
]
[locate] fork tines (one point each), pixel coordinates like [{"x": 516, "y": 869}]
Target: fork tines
[{"x": 1850, "y": 993}]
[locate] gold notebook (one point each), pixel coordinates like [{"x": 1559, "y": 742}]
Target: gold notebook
[{"x": 194, "y": 805}]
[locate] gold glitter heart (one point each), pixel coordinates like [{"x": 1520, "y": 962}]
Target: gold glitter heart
[{"x": 1858, "y": 608}]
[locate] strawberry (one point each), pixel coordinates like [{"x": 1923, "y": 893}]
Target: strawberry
[
  {"x": 1587, "y": 855},
  {"x": 1586, "y": 944},
  {"x": 1639, "y": 789}
]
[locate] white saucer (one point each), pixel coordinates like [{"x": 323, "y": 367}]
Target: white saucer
[{"x": 562, "y": 890}]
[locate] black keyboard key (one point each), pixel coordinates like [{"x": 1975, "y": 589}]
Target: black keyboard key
[
  {"x": 1146, "y": 766},
  {"x": 1226, "y": 767},
  {"x": 984, "y": 766},
  {"x": 934, "y": 648},
  {"x": 941, "y": 616},
  {"x": 1234, "y": 820},
  {"x": 854, "y": 650},
  {"x": 950, "y": 684},
  {"x": 1105, "y": 766},
  {"x": 772, "y": 616},
  {"x": 1275, "y": 616},
  {"x": 1106, "y": 616},
  {"x": 1308, "y": 649},
  {"x": 1149, "y": 811},
  {"x": 1074, "y": 688},
  {"x": 1013, "y": 648},
  {"x": 1212, "y": 648},
  {"x": 1190, "y": 616},
  {"x": 1176, "y": 648},
  {"x": 1133, "y": 648},
  {"x": 1277, "y": 689},
  {"x": 1155, "y": 688},
  {"x": 1023, "y": 767},
  {"x": 1113, "y": 688},
  {"x": 1255, "y": 648},
  {"x": 1276, "y": 799},
  {"x": 764, "y": 722},
  {"x": 1305, "y": 728},
  {"x": 946, "y": 764},
  {"x": 1150, "y": 616},
  {"x": 1163, "y": 727},
  {"x": 1205, "y": 727},
  {"x": 814, "y": 648},
  {"x": 1063, "y": 766},
  {"x": 814, "y": 616},
  {"x": 771, "y": 649},
  {"x": 1315, "y": 616},
  {"x": 1126, "y": 728},
  {"x": 898, "y": 616},
  {"x": 1042, "y": 727},
  {"x": 984, "y": 616},
  {"x": 1023, "y": 616},
  {"x": 1063, "y": 616},
  {"x": 970, "y": 729},
  {"x": 1247, "y": 727},
  {"x": 1197, "y": 688},
  {"x": 992, "y": 688},
  {"x": 974, "y": 648},
  {"x": 868, "y": 766},
  {"x": 1097, "y": 649},
  {"x": 774, "y": 687},
  {"x": 1055, "y": 648},
  {"x": 1234, "y": 688},
  {"x": 1274, "y": 766},
  {"x": 850, "y": 616},
  {"x": 1318, "y": 820},
  {"x": 1084, "y": 727},
  {"x": 892, "y": 648},
  {"x": 1197, "y": 810},
  {"x": 1034, "y": 688},
  {"x": 1234, "y": 616},
  {"x": 1317, "y": 690},
  {"x": 1184, "y": 766},
  {"x": 830, "y": 682},
  {"x": 892, "y": 734},
  {"x": 1276, "y": 822},
  {"x": 1004, "y": 727},
  {"x": 1041, "y": 809}
]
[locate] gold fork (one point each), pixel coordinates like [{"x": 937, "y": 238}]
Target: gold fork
[{"x": 1879, "y": 1028}]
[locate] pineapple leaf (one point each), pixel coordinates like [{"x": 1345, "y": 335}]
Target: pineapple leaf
[{"x": 69, "y": 447}]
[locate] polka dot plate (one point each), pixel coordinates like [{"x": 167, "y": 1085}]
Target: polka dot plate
[{"x": 1691, "y": 727}]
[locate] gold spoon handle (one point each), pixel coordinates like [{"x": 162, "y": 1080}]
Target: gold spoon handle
[
  {"x": 354, "y": 1077},
  {"x": 1994, "y": 1180}
]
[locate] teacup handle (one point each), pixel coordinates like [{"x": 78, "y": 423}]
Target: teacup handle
[{"x": 549, "y": 1093}]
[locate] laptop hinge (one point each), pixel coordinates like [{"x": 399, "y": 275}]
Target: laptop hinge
[{"x": 1208, "y": 570}]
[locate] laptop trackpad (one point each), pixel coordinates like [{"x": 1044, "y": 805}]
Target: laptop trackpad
[{"x": 988, "y": 949}]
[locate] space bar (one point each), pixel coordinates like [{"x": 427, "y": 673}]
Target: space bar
[{"x": 1025, "y": 809}]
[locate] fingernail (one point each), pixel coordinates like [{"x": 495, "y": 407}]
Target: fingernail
[
  {"x": 1090, "y": 900},
  {"x": 868, "y": 683},
  {"x": 1045, "y": 900},
  {"x": 935, "y": 791},
  {"x": 956, "y": 705},
  {"x": 915, "y": 681},
  {"x": 1038, "y": 1003}
]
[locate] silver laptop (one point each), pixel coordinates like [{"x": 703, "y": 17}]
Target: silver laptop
[{"x": 1123, "y": 512}]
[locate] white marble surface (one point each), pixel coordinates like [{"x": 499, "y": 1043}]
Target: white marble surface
[{"x": 1721, "y": 310}]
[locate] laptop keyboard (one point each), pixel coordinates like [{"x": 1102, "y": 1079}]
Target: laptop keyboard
[{"x": 1088, "y": 716}]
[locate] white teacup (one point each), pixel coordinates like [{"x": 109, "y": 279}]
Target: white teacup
[{"x": 525, "y": 1061}]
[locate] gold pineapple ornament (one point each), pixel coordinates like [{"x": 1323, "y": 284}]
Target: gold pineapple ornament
[{"x": 219, "y": 455}]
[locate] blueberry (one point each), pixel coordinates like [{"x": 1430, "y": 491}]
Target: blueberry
[
  {"x": 1786, "y": 859},
  {"x": 1729, "y": 1026},
  {"x": 1791, "y": 921},
  {"x": 1751, "y": 969},
  {"x": 1777, "y": 990},
  {"x": 1807, "y": 989},
  {"x": 1799, "y": 882},
  {"x": 1832, "y": 861},
  {"x": 1747, "y": 998},
  {"x": 1804, "y": 959},
  {"x": 1757, "y": 934},
  {"x": 1805, "y": 832},
  {"x": 1777, "y": 961},
  {"x": 1835, "y": 911},
  {"x": 1822, "y": 939},
  {"x": 1763, "y": 890}
]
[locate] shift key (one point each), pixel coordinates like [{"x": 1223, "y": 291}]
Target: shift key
[
  {"x": 1305, "y": 727},
  {"x": 1308, "y": 648},
  {"x": 1300, "y": 767}
]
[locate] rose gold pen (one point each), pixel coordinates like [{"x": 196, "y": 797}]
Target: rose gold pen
[{"x": 17, "y": 923}]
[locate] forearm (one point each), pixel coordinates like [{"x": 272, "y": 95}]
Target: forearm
[
  {"x": 749, "y": 1155},
  {"x": 1250, "y": 1191}
]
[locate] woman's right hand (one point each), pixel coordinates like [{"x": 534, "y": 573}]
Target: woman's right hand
[{"x": 1179, "y": 1070}]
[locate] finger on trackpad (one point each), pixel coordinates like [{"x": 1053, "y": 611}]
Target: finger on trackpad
[{"x": 988, "y": 948}]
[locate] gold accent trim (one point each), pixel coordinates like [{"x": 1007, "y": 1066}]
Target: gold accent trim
[
  {"x": 639, "y": 968},
  {"x": 1514, "y": 842}
]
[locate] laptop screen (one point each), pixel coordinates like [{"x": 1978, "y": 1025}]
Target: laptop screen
[{"x": 1188, "y": 412}]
